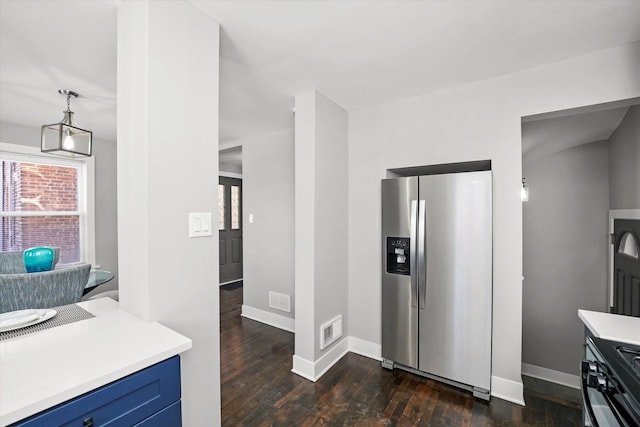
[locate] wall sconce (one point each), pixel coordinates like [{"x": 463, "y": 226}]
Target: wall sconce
[
  {"x": 63, "y": 138},
  {"x": 524, "y": 191}
]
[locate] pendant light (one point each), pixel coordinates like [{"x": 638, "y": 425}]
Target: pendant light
[
  {"x": 63, "y": 138},
  {"x": 524, "y": 191}
]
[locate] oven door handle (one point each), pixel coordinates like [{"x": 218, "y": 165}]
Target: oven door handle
[
  {"x": 618, "y": 413},
  {"x": 586, "y": 400}
]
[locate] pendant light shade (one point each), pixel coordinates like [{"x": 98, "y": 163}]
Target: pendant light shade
[{"x": 63, "y": 138}]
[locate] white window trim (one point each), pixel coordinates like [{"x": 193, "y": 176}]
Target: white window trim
[{"x": 86, "y": 190}]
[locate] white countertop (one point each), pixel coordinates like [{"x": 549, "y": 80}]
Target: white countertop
[
  {"x": 612, "y": 327},
  {"x": 48, "y": 367}
]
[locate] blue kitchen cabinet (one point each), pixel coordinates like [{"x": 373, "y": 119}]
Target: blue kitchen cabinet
[{"x": 149, "y": 398}]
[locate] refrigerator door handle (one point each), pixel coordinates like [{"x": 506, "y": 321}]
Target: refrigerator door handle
[
  {"x": 421, "y": 254},
  {"x": 412, "y": 254}
]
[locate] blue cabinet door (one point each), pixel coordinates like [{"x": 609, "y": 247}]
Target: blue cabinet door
[
  {"x": 171, "y": 416},
  {"x": 125, "y": 402}
]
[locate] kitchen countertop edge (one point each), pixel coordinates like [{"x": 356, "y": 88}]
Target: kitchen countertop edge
[
  {"x": 613, "y": 327},
  {"x": 126, "y": 344}
]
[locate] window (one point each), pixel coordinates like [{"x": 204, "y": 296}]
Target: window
[
  {"x": 47, "y": 201},
  {"x": 221, "y": 210},
  {"x": 235, "y": 207},
  {"x": 628, "y": 245}
]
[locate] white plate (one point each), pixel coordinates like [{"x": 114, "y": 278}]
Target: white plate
[{"x": 23, "y": 318}]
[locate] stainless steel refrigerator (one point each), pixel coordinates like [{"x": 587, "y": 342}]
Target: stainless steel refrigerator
[{"x": 437, "y": 277}]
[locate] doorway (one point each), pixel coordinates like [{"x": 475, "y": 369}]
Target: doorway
[
  {"x": 230, "y": 229},
  {"x": 577, "y": 164}
]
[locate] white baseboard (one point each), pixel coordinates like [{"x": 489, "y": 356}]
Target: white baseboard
[
  {"x": 365, "y": 348},
  {"x": 501, "y": 388},
  {"x": 304, "y": 368},
  {"x": 331, "y": 357},
  {"x": 271, "y": 319},
  {"x": 314, "y": 370},
  {"x": 511, "y": 391},
  {"x": 550, "y": 375}
]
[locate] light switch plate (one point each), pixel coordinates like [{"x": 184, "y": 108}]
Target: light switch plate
[{"x": 200, "y": 224}]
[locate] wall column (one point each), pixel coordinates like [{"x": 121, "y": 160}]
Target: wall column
[
  {"x": 168, "y": 60},
  {"x": 320, "y": 231}
]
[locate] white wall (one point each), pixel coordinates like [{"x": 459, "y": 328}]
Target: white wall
[
  {"x": 331, "y": 185},
  {"x": 106, "y": 235},
  {"x": 320, "y": 229},
  {"x": 106, "y": 202},
  {"x": 168, "y": 62},
  {"x": 564, "y": 252},
  {"x": 304, "y": 227},
  {"x": 268, "y": 242},
  {"x": 230, "y": 167},
  {"x": 624, "y": 162},
  {"x": 470, "y": 122}
]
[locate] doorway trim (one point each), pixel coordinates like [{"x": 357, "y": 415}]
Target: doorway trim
[
  {"x": 229, "y": 174},
  {"x": 613, "y": 215}
]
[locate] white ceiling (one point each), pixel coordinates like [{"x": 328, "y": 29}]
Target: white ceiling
[
  {"x": 51, "y": 45},
  {"x": 358, "y": 53}
]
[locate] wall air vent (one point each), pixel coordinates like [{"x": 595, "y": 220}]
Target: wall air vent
[
  {"x": 330, "y": 331},
  {"x": 280, "y": 301}
]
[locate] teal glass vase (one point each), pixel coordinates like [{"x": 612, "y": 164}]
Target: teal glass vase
[{"x": 38, "y": 259}]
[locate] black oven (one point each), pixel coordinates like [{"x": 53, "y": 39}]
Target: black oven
[{"x": 611, "y": 384}]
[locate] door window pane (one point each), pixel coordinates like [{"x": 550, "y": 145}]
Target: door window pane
[
  {"x": 221, "y": 216},
  {"x": 628, "y": 245},
  {"x": 235, "y": 207}
]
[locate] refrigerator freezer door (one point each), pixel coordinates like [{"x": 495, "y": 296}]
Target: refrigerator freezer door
[
  {"x": 399, "y": 291},
  {"x": 455, "y": 324}
]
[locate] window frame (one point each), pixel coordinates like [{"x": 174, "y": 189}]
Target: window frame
[{"x": 86, "y": 191}]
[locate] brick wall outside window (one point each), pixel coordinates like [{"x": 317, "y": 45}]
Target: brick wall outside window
[{"x": 40, "y": 188}]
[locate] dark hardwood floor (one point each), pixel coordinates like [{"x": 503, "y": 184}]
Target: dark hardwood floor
[{"x": 258, "y": 388}]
